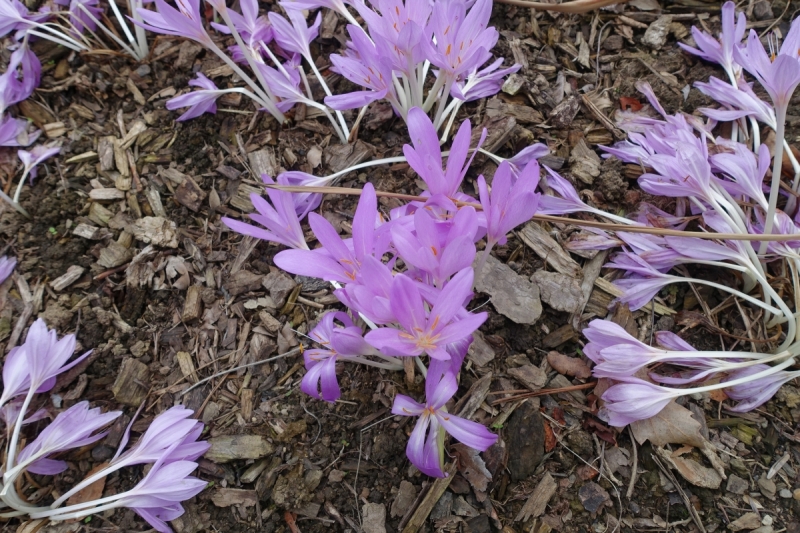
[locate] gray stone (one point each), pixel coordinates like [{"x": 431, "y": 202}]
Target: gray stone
[
  {"x": 404, "y": 499},
  {"x": 374, "y": 518},
  {"x": 512, "y": 295},
  {"x": 785, "y": 493},
  {"x": 525, "y": 438},
  {"x": 593, "y": 497},
  {"x": 736, "y": 484},
  {"x": 656, "y": 34}
]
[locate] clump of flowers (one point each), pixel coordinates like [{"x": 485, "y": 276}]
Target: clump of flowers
[
  {"x": 170, "y": 444},
  {"x": 399, "y": 48}
]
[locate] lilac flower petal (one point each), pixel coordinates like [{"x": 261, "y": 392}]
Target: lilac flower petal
[{"x": 470, "y": 433}]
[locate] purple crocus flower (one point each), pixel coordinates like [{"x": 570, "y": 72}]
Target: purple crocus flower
[
  {"x": 7, "y": 265},
  {"x": 281, "y": 221},
  {"x": 285, "y": 83},
  {"x": 295, "y": 36},
  {"x": 365, "y": 66},
  {"x": 14, "y": 132},
  {"x": 340, "y": 343},
  {"x": 463, "y": 40},
  {"x": 371, "y": 297},
  {"x": 483, "y": 83},
  {"x": 427, "y": 332},
  {"x": 721, "y": 51},
  {"x": 14, "y": 16},
  {"x": 741, "y": 102},
  {"x": 508, "y": 205},
  {"x": 635, "y": 399},
  {"x": 756, "y": 392},
  {"x": 425, "y": 156},
  {"x": 252, "y": 28},
  {"x": 338, "y": 260},
  {"x": 20, "y": 78},
  {"x": 36, "y": 156},
  {"x": 567, "y": 200},
  {"x": 171, "y": 426},
  {"x": 186, "y": 21},
  {"x": 778, "y": 73},
  {"x": 425, "y": 447},
  {"x": 198, "y": 102},
  {"x": 72, "y": 428},
  {"x": 78, "y": 17},
  {"x": 399, "y": 30}
]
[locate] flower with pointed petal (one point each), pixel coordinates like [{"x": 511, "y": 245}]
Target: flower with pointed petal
[
  {"x": 280, "y": 219},
  {"x": 425, "y": 447},
  {"x": 483, "y": 83},
  {"x": 778, "y": 73},
  {"x": 635, "y": 399},
  {"x": 721, "y": 51},
  {"x": 754, "y": 393},
  {"x": 294, "y": 36},
  {"x": 7, "y": 265},
  {"x": 36, "y": 156},
  {"x": 198, "y": 102},
  {"x": 509, "y": 205},
  {"x": 186, "y": 21},
  {"x": 427, "y": 332},
  {"x": 463, "y": 40}
]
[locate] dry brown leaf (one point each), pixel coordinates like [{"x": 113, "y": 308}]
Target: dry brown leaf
[
  {"x": 93, "y": 491},
  {"x": 570, "y": 366},
  {"x": 473, "y": 469},
  {"x": 691, "y": 470}
]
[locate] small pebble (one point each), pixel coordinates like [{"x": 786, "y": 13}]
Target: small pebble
[
  {"x": 785, "y": 493},
  {"x": 766, "y": 521},
  {"x": 796, "y": 494}
]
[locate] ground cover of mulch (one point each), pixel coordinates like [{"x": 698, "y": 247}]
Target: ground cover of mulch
[{"x": 126, "y": 248}]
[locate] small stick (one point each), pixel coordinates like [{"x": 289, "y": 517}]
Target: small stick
[
  {"x": 550, "y": 218},
  {"x": 576, "y": 6},
  {"x": 545, "y": 392},
  {"x": 635, "y": 465}
]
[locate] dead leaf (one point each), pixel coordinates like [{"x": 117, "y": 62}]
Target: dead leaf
[
  {"x": 691, "y": 470},
  {"x": 472, "y": 467},
  {"x": 93, "y": 491},
  {"x": 570, "y": 366},
  {"x": 626, "y": 102},
  {"x": 550, "y": 440}
]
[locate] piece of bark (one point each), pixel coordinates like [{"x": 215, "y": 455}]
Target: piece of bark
[
  {"x": 570, "y": 366},
  {"x": 243, "y": 281},
  {"x": 99, "y": 214},
  {"x": 341, "y": 156},
  {"x": 132, "y": 383},
  {"x": 193, "y": 307},
  {"x": 523, "y": 114},
  {"x": 263, "y": 162},
  {"x": 121, "y": 159},
  {"x": 231, "y": 447},
  {"x": 68, "y": 278},
  {"x": 532, "y": 377},
  {"x": 247, "y": 401},
  {"x": 559, "y": 291},
  {"x": 480, "y": 352},
  {"x": 558, "y": 337},
  {"x": 186, "y": 365},
  {"x": 227, "y": 497},
  {"x": 190, "y": 194},
  {"x": 591, "y": 270},
  {"x": 512, "y": 295},
  {"x": 535, "y": 237},
  {"x": 425, "y": 507},
  {"x": 114, "y": 255},
  {"x": 93, "y": 233},
  {"x": 537, "y": 502},
  {"x": 241, "y": 200},
  {"x": 155, "y": 230},
  {"x": 106, "y": 194}
]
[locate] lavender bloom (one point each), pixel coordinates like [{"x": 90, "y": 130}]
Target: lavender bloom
[
  {"x": 72, "y": 428},
  {"x": 171, "y": 426},
  {"x": 423, "y": 332},
  {"x": 198, "y": 102},
  {"x": 756, "y": 392},
  {"x": 778, "y": 74},
  {"x": 285, "y": 83},
  {"x": 363, "y": 65},
  {"x": 295, "y": 37},
  {"x": 14, "y": 87},
  {"x": 7, "y": 265},
  {"x": 483, "y": 83},
  {"x": 568, "y": 200},
  {"x": 720, "y": 51},
  {"x": 371, "y": 298},
  {"x": 185, "y": 21},
  {"x": 509, "y": 205},
  {"x": 337, "y": 260},
  {"x": 253, "y": 29},
  {"x": 281, "y": 221},
  {"x": 14, "y": 16},
  {"x": 399, "y": 31},
  {"x": 14, "y": 132},
  {"x": 633, "y": 400},
  {"x": 37, "y": 155},
  {"x": 425, "y": 157},
  {"x": 77, "y": 17},
  {"x": 639, "y": 290},
  {"x": 425, "y": 448},
  {"x": 741, "y": 101},
  {"x": 463, "y": 40},
  {"x": 746, "y": 172},
  {"x": 340, "y": 343}
]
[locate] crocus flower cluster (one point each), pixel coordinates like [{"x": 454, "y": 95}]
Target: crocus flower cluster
[
  {"x": 390, "y": 56},
  {"x": 408, "y": 277},
  {"x": 170, "y": 444}
]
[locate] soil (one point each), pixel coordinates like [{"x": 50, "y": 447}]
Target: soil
[{"x": 335, "y": 466}]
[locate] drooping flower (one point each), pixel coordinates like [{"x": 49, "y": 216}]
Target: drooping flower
[
  {"x": 7, "y": 265},
  {"x": 778, "y": 73},
  {"x": 31, "y": 160},
  {"x": 425, "y": 332},
  {"x": 280, "y": 219},
  {"x": 14, "y": 16},
  {"x": 635, "y": 399},
  {"x": 425, "y": 447},
  {"x": 21, "y": 77},
  {"x": 753, "y": 393},
  {"x": 186, "y": 21},
  {"x": 252, "y": 28},
  {"x": 73, "y": 428},
  {"x": 339, "y": 344},
  {"x": 198, "y": 102},
  {"x": 721, "y": 51}
]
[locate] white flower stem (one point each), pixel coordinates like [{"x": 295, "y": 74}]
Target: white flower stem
[
  {"x": 777, "y": 166},
  {"x": 108, "y": 32}
]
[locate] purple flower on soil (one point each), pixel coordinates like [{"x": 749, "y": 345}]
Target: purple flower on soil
[
  {"x": 741, "y": 102},
  {"x": 568, "y": 200},
  {"x": 7, "y": 265},
  {"x": 280, "y": 219},
  {"x": 425, "y": 447},
  {"x": 171, "y": 426},
  {"x": 640, "y": 289},
  {"x": 338, "y": 260},
  {"x": 509, "y": 205},
  {"x": 399, "y": 30},
  {"x": 755, "y": 392},
  {"x": 14, "y": 16},
  {"x": 463, "y": 40},
  {"x": 78, "y": 17},
  {"x": 37, "y": 362},
  {"x": 425, "y": 332},
  {"x": 635, "y": 399},
  {"x": 720, "y": 51},
  {"x": 425, "y": 156},
  {"x": 434, "y": 252},
  {"x": 340, "y": 343},
  {"x": 370, "y": 298},
  {"x": 778, "y": 72},
  {"x": 483, "y": 83},
  {"x": 72, "y": 428},
  {"x": 742, "y": 167},
  {"x": 36, "y": 156},
  {"x": 285, "y": 83},
  {"x": 186, "y": 21},
  {"x": 198, "y": 102},
  {"x": 252, "y": 28},
  {"x": 14, "y": 132},
  {"x": 295, "y": 36},
  {"x": 365, "y": 66},
  {"x": 20, "y": 78}
]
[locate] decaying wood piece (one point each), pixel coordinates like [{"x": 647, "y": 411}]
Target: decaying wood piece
[
  {"x": 533, "y": 235},
  {"x": 425, "y": 507},
  {"x": 231, "y": 447},
  {"x": 132, "y": 383},
  {"x": 193, "y": 306},
  {"x": 186, "y": 365},
  {"x": 263, "y": 162},
  {"x": 537, "y": 502},
  {"x": 70, "y": 276}
]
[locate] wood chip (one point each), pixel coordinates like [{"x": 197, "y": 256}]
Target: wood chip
[
  {"x": 193, "y": 306},
  {"x": 263, "y": 162},
  {"x": 80, "y": 158},
  {"x": 190, "y": 194},
  {"x": 431, "y": 498},
  {"x": 93, "y": 233},
  {"x": 106, "y": 194},
  {"x": 537, "y": 502},
  {"x": 535, "y": 237},
  {"x": 523, "y": 114},
  {"x": 54, "y": 129},
  {"x": 138, "y": 97},
  {"x": 186, "y": 365},
  {"x": 132, "y": 383},
  {"x": 114, "y": 255},
  {"x": 72, "y": 275},
  {"x": 231, "y": 447},
  {"x": 247, "y": 401},
  {"x": 155, "y": 230},
  {"x": 227, "y": 497}
]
